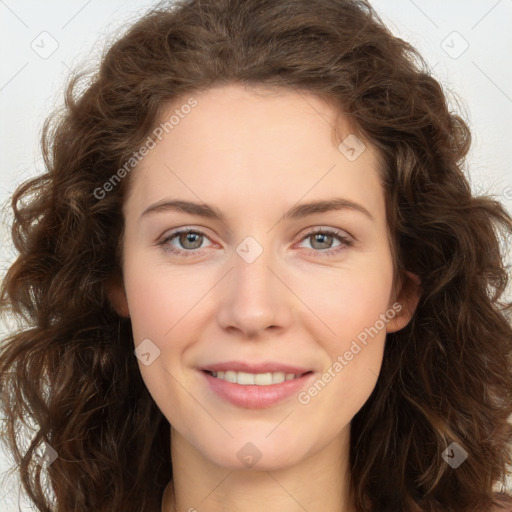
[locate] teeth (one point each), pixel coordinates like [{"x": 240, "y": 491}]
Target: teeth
[{"x": 259, "y": 379}]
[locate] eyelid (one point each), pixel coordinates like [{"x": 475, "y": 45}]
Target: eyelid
[
  {"x": 168, "y": 235},
  {"x": 346, "y": 240},
  {"x": 175, "y": 231},
  {"x": 337, "y": 231},
  {"x": 309, "y": 230}
]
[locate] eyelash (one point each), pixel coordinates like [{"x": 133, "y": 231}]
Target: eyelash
[{"x": 345, "y": 242}]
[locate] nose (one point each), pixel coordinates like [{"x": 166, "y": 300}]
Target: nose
[{"x": 254, "y": 297}]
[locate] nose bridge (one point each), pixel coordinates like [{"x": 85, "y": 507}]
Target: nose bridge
[
  {"x": 252, "y": 276},
  {"x": 254, "y": 298}
]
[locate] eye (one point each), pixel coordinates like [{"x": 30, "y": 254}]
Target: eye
[
  {"x": 322, "y": 240},
  {"x": 189, "y": 239}
]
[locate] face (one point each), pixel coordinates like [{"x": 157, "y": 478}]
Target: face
[{"x": 247, "y": 277}]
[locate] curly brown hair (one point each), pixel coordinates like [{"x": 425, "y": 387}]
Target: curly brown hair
[{"x": 70, "y": 367}]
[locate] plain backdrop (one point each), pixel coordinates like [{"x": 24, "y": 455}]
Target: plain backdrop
[{"x": 467, "y": 44}]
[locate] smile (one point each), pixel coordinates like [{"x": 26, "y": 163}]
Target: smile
[
  {"x": 256, "y": 390},
  {"x": 258, "y": 379}
]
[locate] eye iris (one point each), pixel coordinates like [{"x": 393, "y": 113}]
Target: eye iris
[
  {"x": 319, "y": 240},
  {"x": 321, "y": 237},
  {"x": 188, "y": 237}
]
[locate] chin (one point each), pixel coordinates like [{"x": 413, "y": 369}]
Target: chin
[{"x": 254, "y": 455}]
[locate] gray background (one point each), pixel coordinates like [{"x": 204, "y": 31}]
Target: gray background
[{"x": 468, "y": 44}]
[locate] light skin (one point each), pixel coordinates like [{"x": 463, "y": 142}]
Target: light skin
[{"x": 254, "y": 155}]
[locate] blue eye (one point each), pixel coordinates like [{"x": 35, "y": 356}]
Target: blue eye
[{"x": 191, "y": 241}]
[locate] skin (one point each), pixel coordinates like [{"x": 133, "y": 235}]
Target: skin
[{"x": 254, "y": 154}]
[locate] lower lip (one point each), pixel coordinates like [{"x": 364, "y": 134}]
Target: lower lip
[{"x": 252, "y": 396}]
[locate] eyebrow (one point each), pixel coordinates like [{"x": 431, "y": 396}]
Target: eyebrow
[{"x": 296, "y": 212}]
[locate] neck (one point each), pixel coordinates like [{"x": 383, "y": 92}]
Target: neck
[{"x": 320, "y": 482}]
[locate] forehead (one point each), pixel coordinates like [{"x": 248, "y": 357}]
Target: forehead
[{"x": 259, "y": 143}]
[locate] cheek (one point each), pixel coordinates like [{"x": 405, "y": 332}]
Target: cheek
[
  {"x": 165, "y": 309},
  {"x": 349, "y": 301},
  {"x": 354, "y": 308},
  {"x": 158, "y": 304},
  {"x": 156, "y": 298},
  {"x": 359, "y": 308}
]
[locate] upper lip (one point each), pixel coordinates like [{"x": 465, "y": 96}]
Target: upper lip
[{"x": 268, "y": 367}]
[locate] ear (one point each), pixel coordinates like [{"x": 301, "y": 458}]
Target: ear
[
  {"x": 117, "y": 296},
  {"x": 406, "y": 302}
]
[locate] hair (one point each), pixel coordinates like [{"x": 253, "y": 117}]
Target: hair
[{"x": 70, "y": 368}]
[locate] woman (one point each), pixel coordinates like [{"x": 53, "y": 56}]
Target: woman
[{"x": 368, "y": 370}]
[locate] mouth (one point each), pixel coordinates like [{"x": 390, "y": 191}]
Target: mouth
[
  {"x": 257, "y": 379},
  {"x": 256, "y": 390}
]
